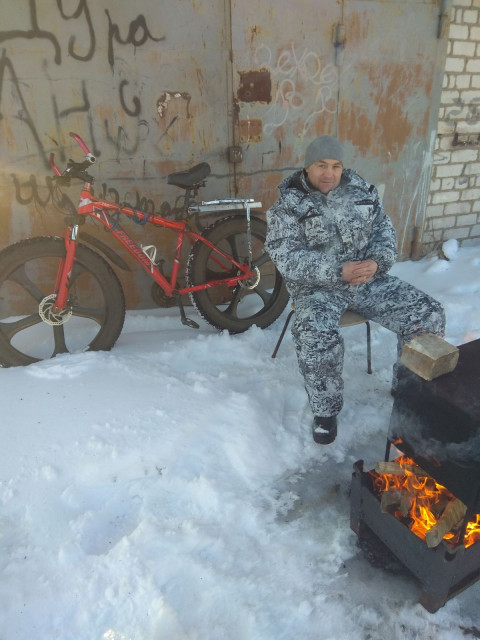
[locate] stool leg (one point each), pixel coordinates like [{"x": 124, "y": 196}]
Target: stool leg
[
  {"x": 279, "y": 342},
  {"x": 369, "y": 349}
]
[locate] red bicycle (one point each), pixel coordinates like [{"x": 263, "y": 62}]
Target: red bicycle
[{"x": 61, "y": 294}]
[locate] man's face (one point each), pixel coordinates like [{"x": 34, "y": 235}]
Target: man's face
[{"x": 325, "y": 174}]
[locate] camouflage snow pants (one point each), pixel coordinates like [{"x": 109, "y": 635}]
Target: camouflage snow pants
[{"x": 387, "y": 300}]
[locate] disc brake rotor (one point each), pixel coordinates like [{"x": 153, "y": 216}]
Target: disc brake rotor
[{"x": 45, "y": 311}]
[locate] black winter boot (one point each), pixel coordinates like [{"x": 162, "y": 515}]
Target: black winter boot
[{"x": 324, "y": 430}]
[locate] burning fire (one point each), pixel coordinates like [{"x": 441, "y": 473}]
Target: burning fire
[{"x": 416, "y": 499}]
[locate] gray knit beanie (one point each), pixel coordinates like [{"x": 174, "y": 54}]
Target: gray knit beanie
[{"x": 323, "y": 148}]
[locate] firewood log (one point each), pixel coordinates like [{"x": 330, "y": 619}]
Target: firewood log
[
  {"x": 397, "y": 469},
  {"x": 406, "y": 502},
  {"x": 451, "y": 517},
  {"x": 390, "y": 500},
  {"x": 396, "y": 499},
  {"x": 439, "y": 505}
]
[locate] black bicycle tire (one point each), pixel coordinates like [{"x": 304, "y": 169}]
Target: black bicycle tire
[
  {"x": 88, "y": 262},
  {"x": 196, "y": 273}
]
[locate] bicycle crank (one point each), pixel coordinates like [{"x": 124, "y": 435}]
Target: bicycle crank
[
  {"x": 253, "y": 281},
  {"x": 45, "y": 311}
]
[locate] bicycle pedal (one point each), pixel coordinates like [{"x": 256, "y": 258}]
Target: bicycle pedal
[{"x": 190, "y": 323}]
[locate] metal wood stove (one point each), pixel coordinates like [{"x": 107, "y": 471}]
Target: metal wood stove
[{"x": 437, "y": 425}]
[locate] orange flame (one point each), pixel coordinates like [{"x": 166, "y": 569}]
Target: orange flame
[
  {"x": 428, "y": 499},
  {"x": 472, "y": 533}
]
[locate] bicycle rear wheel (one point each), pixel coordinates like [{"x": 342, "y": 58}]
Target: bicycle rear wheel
[
  {"x": 29, "y": 331},
  {"x": 236, "y": 308}
]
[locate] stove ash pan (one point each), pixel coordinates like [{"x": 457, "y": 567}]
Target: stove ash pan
[
  {"x": 437, "y": 424},
  {"x": 443, "y": 571}
]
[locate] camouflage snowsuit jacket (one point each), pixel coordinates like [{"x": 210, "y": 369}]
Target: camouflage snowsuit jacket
[{"x": 310, "y": 235}]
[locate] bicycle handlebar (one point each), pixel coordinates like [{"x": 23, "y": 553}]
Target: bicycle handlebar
[
  {"x": 54, "y": 166},
  {"x": 90, "y": 158}
]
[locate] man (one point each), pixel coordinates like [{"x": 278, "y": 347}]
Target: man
[{"x": 333, "y": 243}]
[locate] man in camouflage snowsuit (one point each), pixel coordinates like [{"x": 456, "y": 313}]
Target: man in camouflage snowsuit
[{"x": 333, "y": 243}]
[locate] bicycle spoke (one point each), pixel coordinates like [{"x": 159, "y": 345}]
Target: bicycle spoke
[
  {"x": 20, "y": 277},
  {"x": 59, "y": 338},
  {"x": 238, "y": 294},
  {"x": 10, "y": 329},
  {"x": 232, "y": 241},
  {"x": 263, "y": 259},
  {"x": 77, "y": 271},
  {"x": 265, "y": 295}
]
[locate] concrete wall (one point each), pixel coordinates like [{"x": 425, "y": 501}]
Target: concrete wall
[{"x": 453, "y": 209}]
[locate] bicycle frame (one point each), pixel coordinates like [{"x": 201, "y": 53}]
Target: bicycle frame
[
  {"x": 101, "y": 210},
  {"x": 107, "y": 213}
]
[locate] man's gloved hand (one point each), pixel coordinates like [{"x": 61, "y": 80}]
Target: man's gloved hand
[{"x": 359, "y": 272}]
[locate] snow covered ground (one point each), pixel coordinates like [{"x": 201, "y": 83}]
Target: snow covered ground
[{"x": 170, "y": 489}]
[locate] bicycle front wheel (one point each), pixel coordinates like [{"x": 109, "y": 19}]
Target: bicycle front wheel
[
  {"x": 259, "y": 302},
  {"x": 29, "y": 330}
]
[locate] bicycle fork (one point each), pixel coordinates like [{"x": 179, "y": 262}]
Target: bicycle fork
[
  {"x": 64, "y": 274},
  {"x": 53, "y": 308}
]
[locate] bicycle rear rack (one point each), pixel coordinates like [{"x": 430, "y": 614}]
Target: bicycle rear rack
[{"x": 227, "y": 204}]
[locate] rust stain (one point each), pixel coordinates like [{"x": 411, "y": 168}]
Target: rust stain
[
  {"x": 255, "y": 31},
  {"x": 106, "y": 112},
  {"x": 388, "y": 125},
  {"x": 155, "y": 57},
  {"x": 8, "y": 134},
  {"x": 357, "y": 28},
  {"x": 177, "y": 121},
  {"x": 250, "y": 130},
  {"x": 255, "y": 86},
  {"x": 167, "y": 96},
  {"x": 200, "y": 80},
  {"x": 164, "y": 167},
  {"x": 268, "y": 187}
]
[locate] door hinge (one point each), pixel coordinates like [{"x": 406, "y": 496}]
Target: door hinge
[
  {"x": 443, "y": 20},
  {"x": 339, "y": 43}
]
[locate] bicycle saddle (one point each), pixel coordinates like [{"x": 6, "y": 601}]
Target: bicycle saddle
[{"x": 189, "y": 177}]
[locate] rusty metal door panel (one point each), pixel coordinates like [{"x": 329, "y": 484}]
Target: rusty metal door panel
[
  {"x": 145, "y": 84},
  {"x": 369, "y": 71},
  {"x": 151, "y": 88},
  {"x": 285, "y": 86},
  {"x": 147, "y": 80},
  {"x": 390, "y": 83}
]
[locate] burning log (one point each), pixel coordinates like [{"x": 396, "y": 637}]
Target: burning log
[
  {"x": 399, "y": 497},
  {"x": 390, "y": 500},
  {"x": 397, "y": 469},
  {"x": 450, "y": 519},
  {"x": 440, "y": 504},
  {"x": 406, "y": 502},
  {"x": 393, "y": 500},
  {"x": 407, "y": 491}
]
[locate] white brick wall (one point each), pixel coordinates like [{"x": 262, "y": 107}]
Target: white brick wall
[{"x": 453, "y": 209}]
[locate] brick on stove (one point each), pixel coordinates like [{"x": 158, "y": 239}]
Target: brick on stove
[{"x": 429, "y": 356}]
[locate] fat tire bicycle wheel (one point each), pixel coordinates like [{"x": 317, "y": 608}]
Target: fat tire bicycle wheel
[
  {"x": 95, "y": 304},
  {"x": 236, "y": 308}
]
